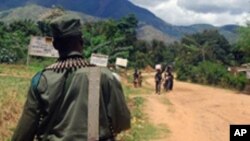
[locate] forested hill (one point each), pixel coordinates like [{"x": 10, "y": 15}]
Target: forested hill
[
  {"x": 120, "y": 8},
  {"x": 104, "y": 8}
]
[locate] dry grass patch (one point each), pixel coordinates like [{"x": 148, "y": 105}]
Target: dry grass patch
[{"x": 14, "y": 83}]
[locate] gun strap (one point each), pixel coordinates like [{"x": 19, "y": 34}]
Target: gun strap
[{"x": 94, "y": 103}]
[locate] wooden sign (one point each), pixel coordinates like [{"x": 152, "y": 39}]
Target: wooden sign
[
  {"x": 42, "y": 46},
  {"x": 99, "y": 60},
  {"x": 121, "y": 62}
]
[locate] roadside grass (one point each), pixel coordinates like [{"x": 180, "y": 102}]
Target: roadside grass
[
  {"x": 141, "y": 129},
  {"x": 129, "y": 89},
  {"x": 14, "y": 83},
  {"x": 18, "y": 70},
  {"x": 12, "y": 97}
]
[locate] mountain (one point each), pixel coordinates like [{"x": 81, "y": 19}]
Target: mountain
[
  {"x": 99, "y": 8},
  {"x": 21, "y": 13},
  {"x": 117, "y": 9},
  {"x": 148, "y": 32},
  {"x": 33, "y": 12},
  {"x": 230, "y": 32}
]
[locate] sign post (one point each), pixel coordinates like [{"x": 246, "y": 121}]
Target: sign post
[
  {"x": 121, "y": 62},
  {"x": 41, "y": 46},
  {"x": 99, "y": 60}
]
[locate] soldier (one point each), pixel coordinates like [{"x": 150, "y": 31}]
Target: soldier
[{"x": 57, "y": 103}]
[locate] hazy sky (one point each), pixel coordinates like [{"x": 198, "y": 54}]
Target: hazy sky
[{"x": 186, "y": 12}]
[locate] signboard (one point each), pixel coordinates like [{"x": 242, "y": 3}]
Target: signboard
[
  {"x": 99, "y": 60},
  {"x": 248, "y": 74},
  {"x": 42, "y": 46},
  {"x": 121, "y": 62}
]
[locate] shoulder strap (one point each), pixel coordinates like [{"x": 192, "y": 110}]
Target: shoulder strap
[{"x": 93, "y": 103}]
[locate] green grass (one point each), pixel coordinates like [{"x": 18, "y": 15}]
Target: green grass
[
  {"x": 130, "y": 90},
  {"x": 141, "y": 129},
  {"x": 12, "y": 96},
  {"x": 14, "y": 84},
  {"x": 22, "y": 71}
]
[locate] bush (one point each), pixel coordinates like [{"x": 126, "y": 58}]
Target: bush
[
  {"x": 234, "y": 81},
  {"x": 212, "y": 74},
  {"x": 183, "y": 71},
  {"x": 14, "y": 40},
  {"x": 7, "y": 56},
  {"x": 209, "y": 73}
]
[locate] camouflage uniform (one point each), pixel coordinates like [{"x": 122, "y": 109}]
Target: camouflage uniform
[{"x": 62, "y": 88}]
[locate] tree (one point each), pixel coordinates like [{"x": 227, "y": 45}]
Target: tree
[
  {"x": 204, "y": 57},
  {"x": 244, "y": 41},
  {"x": 110, "y": 37},
  {"x": 15, "y": 39},
  {"x": 139, "y": 56},
  {"x": 206, "y": 46},
  {"x": 28, "y": 27}
]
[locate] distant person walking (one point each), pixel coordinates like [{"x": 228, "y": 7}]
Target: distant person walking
[
  {"x": 169, "y": 79},
  {"x": 136, "y": 78},
  {"x": 158, "y": 79}
]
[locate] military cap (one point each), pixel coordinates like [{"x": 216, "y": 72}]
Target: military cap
[{"x": 65, "y": 26}]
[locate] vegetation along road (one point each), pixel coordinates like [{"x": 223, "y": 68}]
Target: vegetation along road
[{"x": 197, "y": 112}]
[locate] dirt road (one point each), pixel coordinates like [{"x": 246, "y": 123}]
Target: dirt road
[{"x": 197, "y": 113}]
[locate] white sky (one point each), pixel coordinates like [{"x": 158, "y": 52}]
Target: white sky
[{"x": 187, "y": 12}]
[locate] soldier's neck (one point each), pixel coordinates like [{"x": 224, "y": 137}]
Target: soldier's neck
[{"x": 69, "y": 54}]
